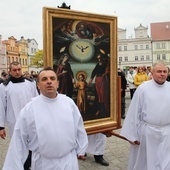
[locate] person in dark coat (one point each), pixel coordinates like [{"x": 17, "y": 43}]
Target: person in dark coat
[
  {"x": 4, "y": 76},
  {"x": 123, "y": 93}
]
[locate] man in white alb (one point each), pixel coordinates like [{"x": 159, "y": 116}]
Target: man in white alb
[
  {"x": 96, "y": 146},
  {"x": 51, "y": 127},
  {"x": 15, "y": 93},
  {"x": 147, "y": 124}
]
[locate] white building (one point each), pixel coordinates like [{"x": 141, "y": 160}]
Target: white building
[
  {"x": 134, "y": 51},
  {"x": 32, "y": 49}
]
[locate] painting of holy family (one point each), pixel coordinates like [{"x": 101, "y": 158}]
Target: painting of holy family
[{"x": 82, "y": 49}]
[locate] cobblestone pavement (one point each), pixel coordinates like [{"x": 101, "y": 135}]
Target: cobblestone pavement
[{"x": 116, "y": 153}]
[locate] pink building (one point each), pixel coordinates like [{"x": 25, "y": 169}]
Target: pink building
[{"x": 3, "y": 56}]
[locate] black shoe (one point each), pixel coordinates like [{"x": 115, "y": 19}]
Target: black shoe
[{"x": 102, "y": 162}]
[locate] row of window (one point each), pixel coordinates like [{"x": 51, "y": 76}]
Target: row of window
[
  {"x": 161, "y": 56},
  {"x": 136, "y": 58},
  {"x": 33, "y": 50},
  {"x": 136, "y": 47},
  {"x": 141, "y": 47},
  {"x": 23, "y": 61},
  {"x": 142, "y": 58},
  {"x": 160, "y": 45}
]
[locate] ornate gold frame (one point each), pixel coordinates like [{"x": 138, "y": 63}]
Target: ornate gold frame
[{"x": 99, "y": 125}]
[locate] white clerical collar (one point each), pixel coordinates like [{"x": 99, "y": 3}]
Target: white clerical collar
[
  {"x": 47, "y": 99},
  {"x": 159, "y": 85}
]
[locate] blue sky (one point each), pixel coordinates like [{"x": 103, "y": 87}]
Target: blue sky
[{"x": 24, "y": 17}]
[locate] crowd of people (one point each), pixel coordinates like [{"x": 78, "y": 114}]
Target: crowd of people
[{"x": 24, "y": 98}]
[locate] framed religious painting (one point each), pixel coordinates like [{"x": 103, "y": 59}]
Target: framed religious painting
[{"x": 82, "y": 49}]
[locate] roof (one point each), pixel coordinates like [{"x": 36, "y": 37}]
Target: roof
[
  {"x": 160, "y": 31},
  {"x": 141, "y": 27},
  {"x": 121, "y": 29}
]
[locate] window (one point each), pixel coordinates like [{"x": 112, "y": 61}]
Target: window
[
  {"x": 32, "y": 50},
  {"x": 26, "y": 62},
  {"x": 120, "y": 58},
  {"x": 3, "y": 60},
  {"x": 157, "y": 45},
  {"x": 120, "y": 48},
  {"x": 126, "y": 58},
  {"x": 12, "y": 43},
  {"x": 23, "y": 50},
  {"x": 147, "y": 46},
  {"x": 142, "y": 58},
  {"x": 141, "y": 47},
  {"x": 158, "y": 57},
  {"x": 136, "y": 47},
  {"x": 136, "y": 58},
  {"x": 125, "y": 48},
  {"x": 147, "y": 57},
  {"x": 163, "y": 45},
  {"x": 9, "y": 60},
  {"x": 164, "y": 56}
]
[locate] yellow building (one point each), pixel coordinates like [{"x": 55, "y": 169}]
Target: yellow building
[
  {"x": 12, "y": 50},
  {"x": 23, "y": 53}
]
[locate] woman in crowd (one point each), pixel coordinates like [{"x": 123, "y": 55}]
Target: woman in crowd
[{"x": 140, "y": 77}]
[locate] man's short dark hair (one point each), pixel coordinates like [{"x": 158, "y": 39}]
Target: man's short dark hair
[
  {"x": 44, "y": 69},
  {"x": 14, "y": 63}
]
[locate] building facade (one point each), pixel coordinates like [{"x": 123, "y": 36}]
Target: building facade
[
  {"x": 17, "y": 50},
  {"x": 3, "y": 57},
  {"x": 23, "y": 53},
  {"x": 134, "y": 51},
  {"x": 160, "y": 33},
  {"x": 32, "y": 49},
  {"x": 12, "y": 50}
]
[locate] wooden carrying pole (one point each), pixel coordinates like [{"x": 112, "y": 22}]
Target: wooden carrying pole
[
  {"x": 112, "y": 133},
  {"x": 119, "y": 136}
]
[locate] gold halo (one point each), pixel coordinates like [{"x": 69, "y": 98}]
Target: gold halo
[{"x": 81, "y": 72}]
